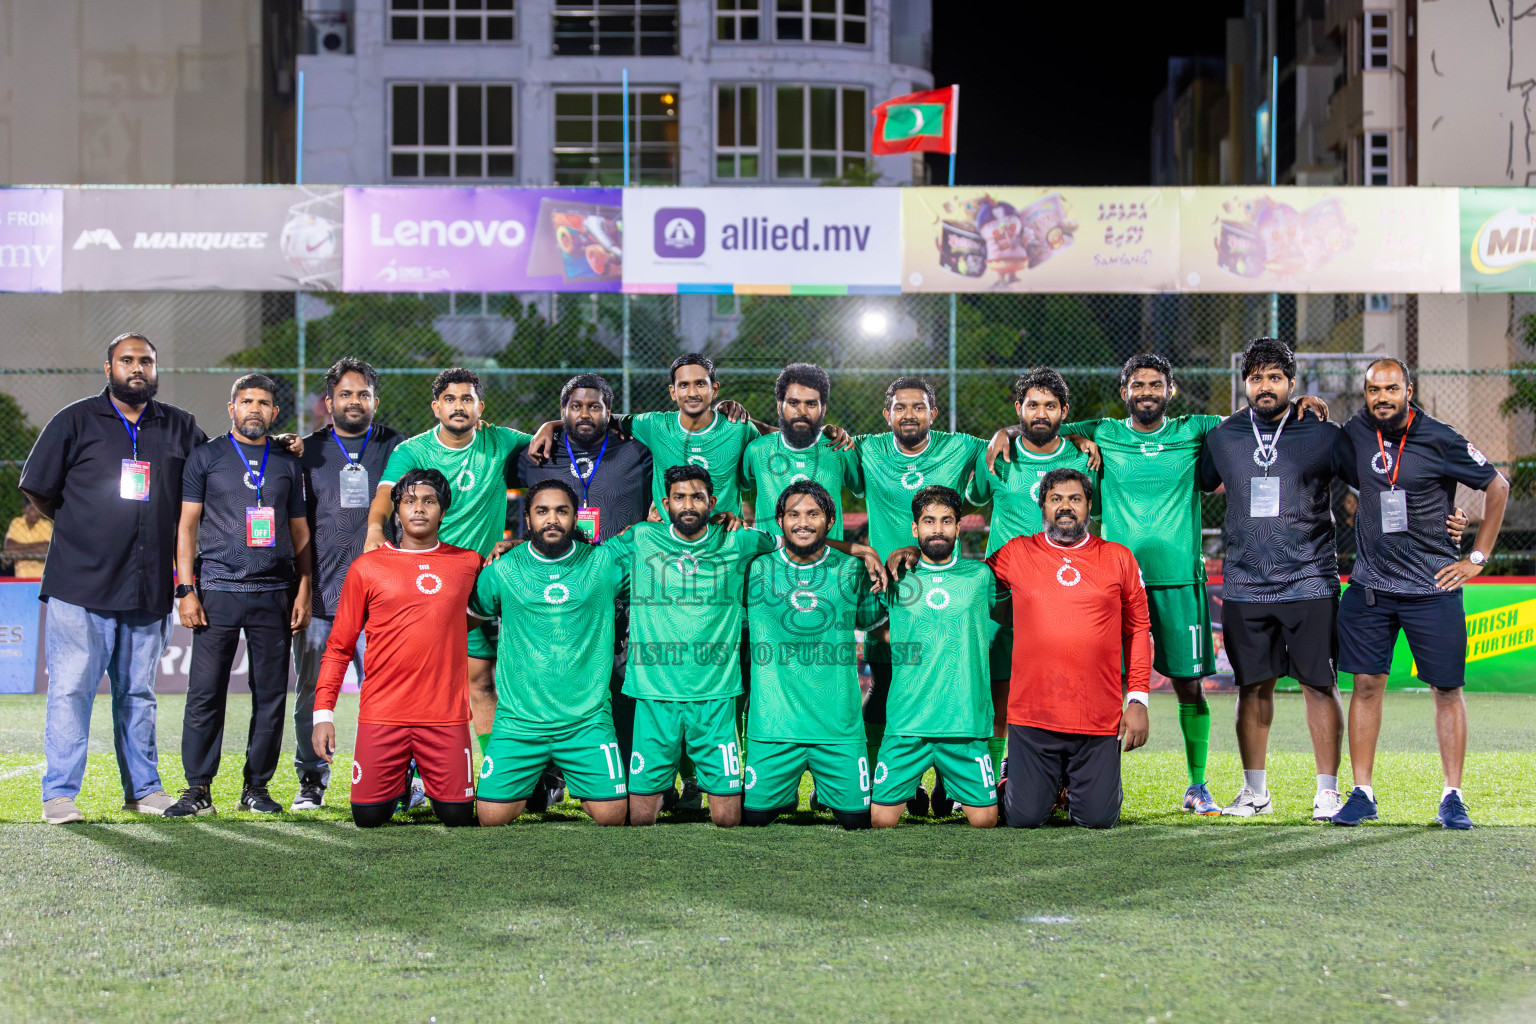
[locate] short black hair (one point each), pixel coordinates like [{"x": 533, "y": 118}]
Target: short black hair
[
  {"x": 553, "y": 483},
  {"x": 431, "y": 477},
  {"x": 935, "y": 495},
  {"x": 254, "y": 380},
  {"x": 692, "y": 359},
  {"x": 1056, "y": 476},
  {"x": 456, "y": 375},
  {"x": 807, "y": 375},
  {"x": 129, "y": 336},
  {"x": 1046, "y": 379},
  {"x": 818, "y": 494},
  {"x": 911, "y": 384},
  {"x": 590, "y": 381},
  {"x": 1146, "y": 361},
  {"x": 687, "y": 471},
  {"x": 1407, "y": 373},
  {"x": 1262, "y": 352},
  {"x": 346, "y": 365}
]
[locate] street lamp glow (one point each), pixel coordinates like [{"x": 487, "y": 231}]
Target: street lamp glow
[{"x": 873, "y": 323}]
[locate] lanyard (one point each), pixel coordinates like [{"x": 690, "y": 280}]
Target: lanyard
[
  {"x": 366, "y": 438},
  {"x": 1271, "y": 450},
  {"x": 1401, "y": 447},
  {"x": 132, "y": 428},
  {"x": 262, "y": 473},
  {"x": 585, "y": 481}
]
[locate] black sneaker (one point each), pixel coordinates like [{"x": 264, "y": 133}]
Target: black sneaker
[
  {"x": 538, "y": 800},
  {"x": 941, "y": 804},
  {"x": 195, "y": 802},
  {"x": 311, "y": 795},
  {"x": 257, "y": 799},
  {"x": 918, "y": 805},
  {"x": 1453, "y": 813}
]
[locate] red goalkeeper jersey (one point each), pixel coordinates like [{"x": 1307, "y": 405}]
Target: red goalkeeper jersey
[
  {"x": 1075, "y": 610},
  {"x": 412, "y": 607}
]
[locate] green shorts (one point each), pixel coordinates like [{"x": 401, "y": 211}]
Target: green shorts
[
  {"x": 588, "y": 755},
  {"x": 482, "y": 640},
  {"x": 841, "y": 771},
  {"x": 964, "y": 765},
  {"x": 1181, "y": 631},
  {"x": 705, "y": 730}
]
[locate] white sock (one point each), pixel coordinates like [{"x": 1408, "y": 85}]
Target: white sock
[
  {"x": 1369, "y": 791},
  {"x": 1254, "y": 780},
  {"x": 1449, "y": 790},
  {"x": 1327, "y": 782}
]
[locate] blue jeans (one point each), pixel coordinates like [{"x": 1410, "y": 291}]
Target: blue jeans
[
  {"x": 81, "y": 646},
  {"x": 308, "y": 650}
]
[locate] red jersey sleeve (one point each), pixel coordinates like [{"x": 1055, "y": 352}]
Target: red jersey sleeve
[
  {"x": 1002, "y": 563},
  {"x": 351, "y": 611},
  {"x": 1135, "y": 626}
]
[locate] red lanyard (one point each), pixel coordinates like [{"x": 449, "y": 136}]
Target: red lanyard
[{"x": 1401, "y": 447}]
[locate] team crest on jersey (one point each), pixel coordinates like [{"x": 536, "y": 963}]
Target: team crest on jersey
[
  {"x": 582, "y": 467},
  {"x": 1068, "y": 575},
  {"x": 466, "y": 480},
  {"x": 912, "y": 479},
  {"x": 796, "y": 597},
  {"x": 881, "y": 772},
  {"x": 1150, "y": 448},
  {"x": 698, "y": 460},
  {"x": 357, "y": 773},
  {"x": 937, "y": 599},
  {"x": 1034, "y": 492},
  {"x": 556, "y": 593},
  {"x": 1381, "y": 463},
  {"x": 801, "y": 476},
  {"x": 436, "y": 581},
  {"x": 636, "y": 762},
  {"x": 486, "y": 767},
  {"x": 252, "y": 484},
  {"x": 751, "y": 774},
  {"x": 1477, "y": 456},
  {"x": 687, "y": 563},
  {"x": 1266, "y": 456}
]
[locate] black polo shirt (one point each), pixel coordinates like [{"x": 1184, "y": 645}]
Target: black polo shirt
[
  {"x": 339, "y": 532},
  {"x": 109, "y": 553},
  {"x": 222, "y": 478},
  {"x": 620, "y": 488}
]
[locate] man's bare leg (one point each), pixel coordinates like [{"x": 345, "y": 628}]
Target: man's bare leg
[
  {"x": 492, "y": 813},
  {"x": 1365, "y": 724},
  {"x": 607, "y": 812},
  {"x": 1255, "y": 715},
  {"x": 981, "y": 817},
  {"x": 724, "y": 811},
  {"x": 886, "y": 815},
  {"x": 1325, "y": 721},
  {"x": 643, "y": 809},
  {"x": 482, "y": 694},
  {"x": 1451, "y": 731}
]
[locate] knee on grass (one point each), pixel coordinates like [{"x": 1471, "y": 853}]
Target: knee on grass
[
  {"x": 455, "y": 813},
  {"x": 758, "y": 818},
  {"x": 373, "y": 815}
]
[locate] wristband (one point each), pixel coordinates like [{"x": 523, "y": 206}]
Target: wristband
[
  {"x": 324, "y": 716},
  {"x": 1135, "y": 696}
]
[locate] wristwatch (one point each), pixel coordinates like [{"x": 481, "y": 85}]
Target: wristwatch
[
  {"x": 183, "y": 589},
  {"x": 1477, "y": 558}
]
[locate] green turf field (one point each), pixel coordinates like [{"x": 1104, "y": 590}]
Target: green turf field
[{"x": 1162, "y": 919}]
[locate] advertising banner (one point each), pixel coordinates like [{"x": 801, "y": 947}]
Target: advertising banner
[
  {"x": 1039, "y": 240},
  {"x": 484, "y": 240},
  {"x": 768, "y": 241},
  {"x": 31, "y": 239},
  {"x": 245, "y": 238},
  {"x": 21, "y": 616},
  {"x": 1318, "y": 240},
  {"x": 1498, "y": 252}
]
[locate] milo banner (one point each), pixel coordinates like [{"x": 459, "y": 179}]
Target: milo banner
[
  {"x": 1318, "y": 240},
  {"x": 1498, "y": 250},
  {"x": 972, "y": 239}
]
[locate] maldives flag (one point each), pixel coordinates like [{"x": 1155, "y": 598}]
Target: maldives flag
[{"x": 917, "y": 122}]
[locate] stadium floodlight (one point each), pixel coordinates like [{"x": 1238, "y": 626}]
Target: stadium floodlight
[{"x": 874, "y": 323}]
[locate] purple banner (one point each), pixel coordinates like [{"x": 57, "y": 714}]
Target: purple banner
[
  {"x": 483, "y": 240},
  {"x": 31, "y": 240}
]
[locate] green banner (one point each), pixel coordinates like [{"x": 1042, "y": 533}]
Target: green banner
[{"x": 1498, "y": 239}]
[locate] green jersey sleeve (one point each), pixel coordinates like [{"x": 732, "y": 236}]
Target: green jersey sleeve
[
  {"x": 622, "y": 549},
  {"x": 509, "y": 442},
  {"x": 978, "y": 489},
  {"x": 853, "y": 471},
  {"x": 1205, "y": 423},
  {"x": 1082, "y": 428},
  {"x": 752, "y": 542},
  {"x": 485, "y": 602},
  {"x": 642, "y": 427},
  {"x": 401, "y": 461}
]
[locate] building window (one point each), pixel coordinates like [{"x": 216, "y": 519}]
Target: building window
[
  {"x": 737, "y": 148},
  {"x": 736, "y": 21},
  {"x": 645, "y": 28},
  {"x": 819, "y": 131},
  {"x": 1375, "y": 159},
  {"x": 450, "y": 21},
  {"x": 589, "y": 137},
  {"x": 822, "y": 21},
  {"x": 1376, "y": 42},
  {"x": 451, "y": 131}
]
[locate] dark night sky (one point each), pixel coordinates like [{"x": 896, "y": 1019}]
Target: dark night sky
[{"x": 1060, "y": 93}]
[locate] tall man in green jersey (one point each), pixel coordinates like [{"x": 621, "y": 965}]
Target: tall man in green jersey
[
  {"x": 803, "y": 605},
  {"x": 473, "y": 457},
  {"x": 940, "y": 710},
  {"x": 555, "y": 597},
  {"x": 796, "y": 451},
  {"x": 1151, "y": 503}
]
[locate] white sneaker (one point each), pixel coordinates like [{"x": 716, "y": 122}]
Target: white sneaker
[
  {"x": 1247, "y": 803},
  {"x": 61, "y": 810},
  {"x": 156, "y": 803},
  {"x": 418, "y": 793},
  {"x": 1326, "y": 804}
]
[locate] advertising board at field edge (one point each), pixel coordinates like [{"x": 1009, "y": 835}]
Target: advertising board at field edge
[
  {"x": 237, "y": 238},
  {"x": 1498, "y": 239},
  {"x": 785, "y": 241},
  {"x": 31, "y": 240},
  {"x": 971, "y": 239},
  {"x": 483, "y": 240}
]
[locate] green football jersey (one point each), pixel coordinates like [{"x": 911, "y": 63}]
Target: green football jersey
[
  {"x": 801, "y": 621},
  {"x": 477, "y": 479},
  {"x": 555, "y": 653},
  {"x": 771, "y": 465},
  {"x": 1150, "y": 497},
  {"x": 719, "y": 448},
  {"x": 686, "y": 609},
  {"x": 891, "y": 477},
  {"x": 941, "y": 628},
  {"x": 1014, "y": 490}
]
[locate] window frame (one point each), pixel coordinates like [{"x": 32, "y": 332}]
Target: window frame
[
  {"x": 638, "y": 146},
  {"x": 1369, "y": 51},
  {"x": 1372, "y": 143},
  {"x": 736, "y": 16},
  {"x": 840, "y": 18},
  {"x": 737, "y": 151},
  {"x": 595, "y": 10},
  {"x": 453, "y": 149},
  {"x": 807, "y": 152},
  {"x": 452, "y": 13}
]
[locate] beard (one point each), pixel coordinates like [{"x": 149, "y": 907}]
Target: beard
[
  {"x": 126, "y": 392},
  {"x": 1267, "y": 405},
  {"x": 804, "y": 551},
  {"x": 799, "y": 433},
  {"x": 353, "y": 418},
  {"x": 910, "y": 433},
  {"x": 586, "y": 433},
  {"x": 937, "y": 547},
  {"x": 1039, "y": 432},
  {"x": 251, "y": 429},
  {"x": 552, "y": 548},
  {"x": 1393, "y": 422},
  {"x": 1147, "y": 411},
  {"x": 687, "y": 523},
  {"x": 1066, "y": 529}
]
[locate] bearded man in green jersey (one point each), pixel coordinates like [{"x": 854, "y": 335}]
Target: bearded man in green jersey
[
  {"x": 555, "y": 596},
  {"x": 797, "y": 451},
  {"x": 1150, "y": 502},
  {"x": 473, "y": 457}
]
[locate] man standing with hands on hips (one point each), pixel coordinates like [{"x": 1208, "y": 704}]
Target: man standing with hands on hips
[
  {"x": 242, "y": 507},
  {"x": 1407, "y": 576}
]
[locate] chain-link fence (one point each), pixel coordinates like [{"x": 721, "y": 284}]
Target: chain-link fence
[{"x": 1471, "y": 351}]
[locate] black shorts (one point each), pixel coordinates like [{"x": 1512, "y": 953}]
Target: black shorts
[
  {"x": 1435, "y": 625},
  {"x": 1041, "y": 763},
  {"x": 1285, "y": 638}
]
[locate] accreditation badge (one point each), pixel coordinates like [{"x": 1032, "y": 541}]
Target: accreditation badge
[
  {"x": 133, "y": 484},
  {"x": 1264, "y": 497},
  {"x": 260, "y": 527},
  {"x": 354, "y": 486},
  {"x": 1394, "y": 511},
  {"x": 586, "y": 521}
]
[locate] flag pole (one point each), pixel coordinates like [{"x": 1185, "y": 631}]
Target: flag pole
[
  {"x": 625, "y": 298},
  {"x": 954, "y": 143}
]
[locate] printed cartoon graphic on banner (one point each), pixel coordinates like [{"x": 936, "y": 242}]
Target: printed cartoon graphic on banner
[
  {"x": 31, "y": 239},
  {"x": 1498, "y": 253}
]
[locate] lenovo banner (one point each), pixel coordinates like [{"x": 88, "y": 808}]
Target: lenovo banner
[
  {"x": 246, "y": 238},
  {"x": 31, "y": 239},
  {"x": 484, "y": 240}
]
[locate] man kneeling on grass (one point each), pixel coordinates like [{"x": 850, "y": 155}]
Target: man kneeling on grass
[{"x": 414, "y": 703}]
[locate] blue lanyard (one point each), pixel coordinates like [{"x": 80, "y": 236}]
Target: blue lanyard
[
  {"x": 585, "y": 481},
  {"x": 366, "y": 438},
  {"x": 132, "y": 428},
  {"x": 262, "y": 473}
]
